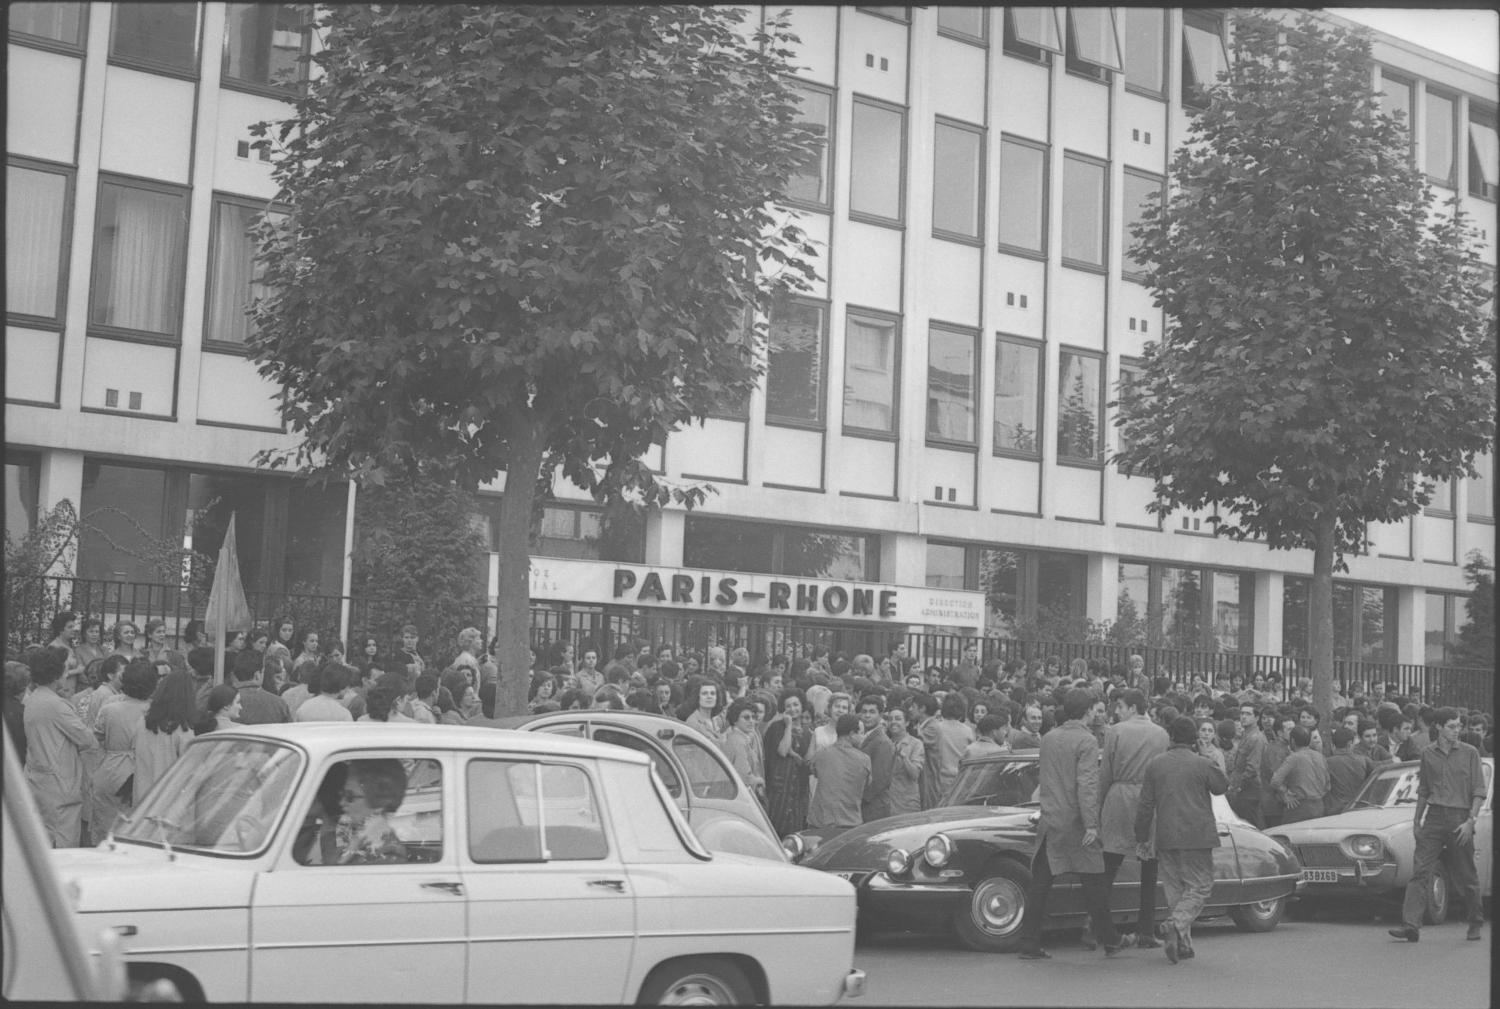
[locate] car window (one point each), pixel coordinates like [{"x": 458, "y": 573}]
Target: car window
[
  {"x": 707, "y": 775},
  {"x": 529, "y": 811},
  {"x": 1396, "y": 787},
  {"x": 659, "y": 760},
  {"x": 573, "y": 730},
  {"x": 995, "y": 783},
  {"x": 374, "y": 810}
]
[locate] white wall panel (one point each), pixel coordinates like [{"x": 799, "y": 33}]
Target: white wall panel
[
  {"x": 31, "y": 364},
  {"x": 818, "y": 228},
  {"x": 1128, "y": 498},
  {"x": 1477, "y": 536},
  {"x": 794, "y": 457},
  {"x": 863, "y": 466},
  {"x": 1437, "y": 539},
  {"x": 237, "y": 111},
  {"x": 1391, "y": 539},
  {"x": 869, "y": 266},
  {"x": 1019, "y": 279},
  {"x": 958, "y": 80},
  {"x": 815, "y": 54},
  {"x": 230, "y": 391},
  {"x": 1133, "y": 302},
  {"x": 1075, "y": 492},
  {"x": 714, "y": 449},
  {"x": 148, "y": 125},
  {"x": 1077, "y": 303},
  {"x": 953, "y": 275},
  {"x": 1083, "y": 115},
  {"x": 1022, "y": 107},
  {"x": 1143, "y": 132},
  {"x": 41, "y": 103},
  {"x": 1011, "y": 484},
  {"x": 130, "y": 367},
  {"x": 944, "y": 471},
  {"x": 880, "y": 43}
]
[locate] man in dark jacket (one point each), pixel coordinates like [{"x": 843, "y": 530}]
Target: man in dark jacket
[
  {"x": 1177, "y": 793},
  {"x": 876, "y": 802},
  {"x": 1244, "y": 766}
]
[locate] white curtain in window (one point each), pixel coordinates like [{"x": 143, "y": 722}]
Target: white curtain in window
[
  {"x": 869, "y": 378},
  {"x": 233, "y": 276},
  {"x": 33, "y": 240},
  {"x": 1486, "y": 146},
  {"x": 141, "y": 265}
]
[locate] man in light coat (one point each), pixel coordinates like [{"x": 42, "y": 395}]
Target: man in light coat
[
  {"x": 1177, "y": 794},
  {"x": 1129, "y": 745},
  {"x": 55, "y": 741},
  {"x": 1068, "y": 830}
]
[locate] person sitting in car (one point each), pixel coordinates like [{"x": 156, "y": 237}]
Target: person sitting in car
[{"x": 375, "y": 789}]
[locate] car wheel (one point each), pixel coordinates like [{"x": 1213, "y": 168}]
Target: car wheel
[
  {"x": 990, "y": 921},
  {"x": 1437, "y": 898},
  {"x": 697, "y": 981},
  {"x": 1262, "y": 916}
]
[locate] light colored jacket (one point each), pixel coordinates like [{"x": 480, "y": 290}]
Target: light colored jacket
[
  {"x": 1069, "y": 789},
  {"x": 1128, "y": 748}
]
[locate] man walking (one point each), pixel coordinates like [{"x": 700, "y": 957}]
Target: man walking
[
  {"x": 842, "y": 772},
  {"x": 1129, "y": 745},
  {"x": 1450, "y": 791},
  {"x": 1244, "y": 767},
  {"x": 1067, "y": 834},
  {"x": 1177, "y": 791}
]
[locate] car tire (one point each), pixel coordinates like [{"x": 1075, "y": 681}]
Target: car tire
[
  {"x": 1261, "y": 916},
  {"x": 699, "y": 980},
  {"x": 990, "y": 920},
  {"x": 1438, "y": 892}
]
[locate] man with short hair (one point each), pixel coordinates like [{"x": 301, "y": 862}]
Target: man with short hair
[
  {"x": 1277, "y": 749},
  {"x": 966, "y": 673},
  {"x": 1244, "y": 767},
  {"x": 1302, "y": 778},
  {"x": 1347, "y": 771},
  {"x": 328, "y": 680},
  {"x": 843, "y": 772},
  {"x": 1030, "y": 735},
  {"x": 257, "y": 706},
  {"x": 426, "y": 689},
  {"x": 201, "y": 661},
  {"x": 991, "y": 735},
  {"x": 876, "y": 744},
  {"x": 1367, "y": 742},
  {"x": 1450, "y": 793},
  {"x": 55, "y": 741}
]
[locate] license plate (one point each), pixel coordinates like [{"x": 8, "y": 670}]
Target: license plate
[
  {"x": 846, "y": 875},
  {"x": 1320, "y": 875}
]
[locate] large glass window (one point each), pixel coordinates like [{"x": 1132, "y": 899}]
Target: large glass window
[
  {"x": 1438, "y": 134},
  {"x": 234, "y": 275},
  {"x": 877, "y": 161},
  {"x": 1447, "y": 615},
  {"x": 945, "y": 566},
  {"x": 1359, "y": 620},
  {"x": 1203, "y": 55},
  {"x": 1093, "y": 48},
  {"x": 211, "y": 499},
  {"x": 1130, "y": 374},
  {"x": 313, "y": 554},
  {"x": 958, "y": 179},
  {"x": 965, "y": 22},
  {"x": 161, "y": 35},
  {"x": 950, "y": 385},
  {"x": 811, "y": 184},
  {"x": 1145, "y": 48},
  {"x": 795, "y": 363},
  {"x": 122, "y": 512},
  {"x": 1395, "y": 96},
  {"x": 1023, "y": 196},
  {"x": 1372, "y": 633},
  {"x": 1032, "y": 33},
  {"x": 140, "y": 248},
  {"x": 1059, "y": 584},
  {"x": 1484, "y": 153},
  {"x": 1083, "y": 210},
  {"x": 1027, "y": 592},
  {"x": 795, "y": 551},
  {"x": 1479, "y": 490},
  {"x": 1018, "y": 396},
  {"x": 1442, "y": 497},
  {"x": 1139, "y": 188},
  {"x": 23, "y": 474},
  {"x": 1078, "y": 406},
  {"x": 56, "y": 22},
  {"x": 264, "y": 44},
  {"x": 1294, "y": 616},
  {"x": 35, "y": 211},
  {"x": 870, "y": 353},
  {"x": 1133, "y": 598},
  {"x": 1182, "y": 607},
  {"x": 1227, "y": 628}
]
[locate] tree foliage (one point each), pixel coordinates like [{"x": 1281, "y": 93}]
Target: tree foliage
[{"x": 1476, "y": 638}]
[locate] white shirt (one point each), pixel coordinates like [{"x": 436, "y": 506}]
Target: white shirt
[{"x": 322, "y": 708}]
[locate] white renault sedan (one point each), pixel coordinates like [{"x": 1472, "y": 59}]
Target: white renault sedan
[{"x": 432, "y": 863}]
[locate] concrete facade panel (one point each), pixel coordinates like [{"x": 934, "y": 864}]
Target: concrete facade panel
[
  {"x": 1019, "y": 305},
  {"x": 131, "y": 368},
  {"x": 1083, "y": 115},
  {"x": 231, "y": 392},
  {"x": 794, "y": 457},
  {"x": 715, "y": 449},
  {"x": 945, "y": 472},
  {"x": 816, "y": 52},
  {"x": 869, "y": 266},
  {"x": 953, "y": 282},
  {"x": 863, "y": 466},
  {"x": 148, "y": 125},
  {"x": 41, "y": 103},
  {"x": 1011, "y": 484},
  {"x": 957, "y": 83},
  {"x": 872, "y": 56},
  {"x": 1023, "y": 90},
  {"x": 1076, "y": 303},
  {"x": 31, "y": 360},
  {"x": 1075, "y": 493}
]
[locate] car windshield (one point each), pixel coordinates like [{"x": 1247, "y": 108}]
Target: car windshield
[
  {"x": 1396, "y": 787},
  {"x": 995, "y": 783},
  {"x": 222, "y": 797}
]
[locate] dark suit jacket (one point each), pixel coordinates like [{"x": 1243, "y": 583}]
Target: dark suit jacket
[
  {"x": 1177, "y": 793},
  {"x": 882, "y": 753}
]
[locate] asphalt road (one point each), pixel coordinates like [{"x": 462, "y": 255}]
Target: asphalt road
[{"x": 1342, "y": 958}]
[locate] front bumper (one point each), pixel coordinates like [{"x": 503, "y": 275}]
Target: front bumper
[
  {"x": 911, "y": 902},
  {"x": 1357, "y": 879}
]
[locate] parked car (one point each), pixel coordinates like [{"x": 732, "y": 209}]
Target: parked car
[
  {"x": 423, "y": 863},
  {"x": 716, "y": 801},
  {"x": 1366, "y": 852},
  {"x": 966, "y": 864}
]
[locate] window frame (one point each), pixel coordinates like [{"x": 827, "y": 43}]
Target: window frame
[
  {"x": 1128, "y": 366},
  {"x": 1038, "y": 52},
  {"x": 1097, "y": 462},
  {"x": 879, "y": 317},
  {"x": 55, "y": 322},
  {"x": 1039, "y": 415},
  {"x": 1045, "y": 179},
  {"x": 1387, "y": 77},
  {"x": 249, "y": 203},
  {"x": 899, "y": 221},
  {"x": 155, "y": 66},
  {"x": 1159, "y": 93},
  {"x": 286, "y": 92},
  {"x": 1199, "y": 21},
  {"x": 55, "y": 45},
  {"x": 174, "y": 337},
  {"x": 820, "y": 421},
  {"x": 979, "y": 133},
  {"x": 537, "y": 762},
  {"x": 959, "y": 35},
  {"x": 1437, "y": 511},
  {"x": 904, "y": 18},
  {"x": 829, "y": 149},
  {"x": 1071, "y": 262},
  {"x": 1126, "y": 273},
  {"x": 1080, "y": 66},
  {"x": 1489, "y": 119},
  {"x": 1487, "y": 483},
  {"x": 778, "y": 532},
  {"x": 1430, "y": 92},
  {"x": 972, "y": 333}
]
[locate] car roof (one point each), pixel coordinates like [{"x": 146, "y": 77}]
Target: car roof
[
  {"x": 646, "y": 721},
  {"x": 321, "y": 737}
]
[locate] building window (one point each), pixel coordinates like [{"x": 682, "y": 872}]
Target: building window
[
  {"x": 264, "y": 44},
  {"x": 140, "y": 251},
  {"x": 54, "y": 22},
  {"x": 211, "y": 499},
  {"x": 811, "y": 185},
  {"x": 1395, "y": 98},
  {"x": 968, "y": 23},
  {"x": 1023, "y": 196},
  {"x": 1079, "y": 405},
  {"x": 1093, "y": 48},
  {"x": 950, "y": 385},
  {"x": 946, "y": 566},
  {"x": 1184, "y": 607},
  {"x": 1139, "y": 188},
  {"x": 1130, "y": 374},
  {"x": 795, "y": 551},
  {"x": 234, "y": 275},
  {"x": 1084, "y": 212},
  {"x": 1133, "y": 610},
  {"x": 796, "y": 361},
  {"x": 1028, "y": 593},
  {"x": 894, "y": 13},
  {"x": 958, "y": 180},
  {"x": 1447, "y": 615},
  {"x": 870, "y": 370},
  {"x": 1438, "y": 134},
  {"x": 157, "y": 36},
  {"x": 877, "y": 161},
  {"x": 1441, "y": 494},
  {"x": 23, "y": 475},
  {"x": 35, "y": 217},
  {"x": 1145, "y": 49},
  {"x": 1032, "y": 33},
  {"x": 1479, "y": 489},
  {"x": 122, "y": 512},
  {"x": 1203, "y": 55},
  {"x": 1359, "y": 615},
  {"x": 1484, "y": 153},
  {"x": 1181, "y": 606},
  {"x": 1018, "y": 397}
]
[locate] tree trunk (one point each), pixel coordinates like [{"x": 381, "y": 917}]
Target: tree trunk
[
  {"x": 1320, "y": 619},
  {"x": 527, "y": 444}
]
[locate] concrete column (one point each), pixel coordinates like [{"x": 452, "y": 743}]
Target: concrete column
[
  {"x": 1101, "y": 592},
  {"x": 1266, "y": 619},
  {"x": 664, "y": 531},
  {"x": 1410, "y": 624},
  {"x": 61, "y": 480},
  {"x": 903, "y": 559}
]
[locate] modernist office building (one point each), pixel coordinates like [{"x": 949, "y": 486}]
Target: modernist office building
[{"x": 929, "y": 445}]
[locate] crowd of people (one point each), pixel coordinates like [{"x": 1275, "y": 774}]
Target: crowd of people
[{"x": 825, "y": 740}]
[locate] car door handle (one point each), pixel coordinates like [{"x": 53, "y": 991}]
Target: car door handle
[
  {"x": 617, "y": 885},
  {"x": 456, "y": 889}
]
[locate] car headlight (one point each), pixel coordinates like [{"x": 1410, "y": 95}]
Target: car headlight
[
  {"x": 937, "y": 850},
  {"x": 1363, "y": 846},
  {"x": 794, "y": 846},
  {"x": 895, "y": 861}
]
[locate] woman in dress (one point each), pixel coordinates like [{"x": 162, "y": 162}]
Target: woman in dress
[
  {"x": 462, "y": 700},
  {"x": 785, "y": 753},
  {"x": 116, "y": 728},
  {"x": 258, "y": 640},
  {"x": 194, "y": 636},
  {"x": 284, "y": 632},
  {"x": 306, "y": 652},
  {"x": 165, "y": 731},
  {"x": 234, "y": 643},
  {"x": 374, "y": 790}
]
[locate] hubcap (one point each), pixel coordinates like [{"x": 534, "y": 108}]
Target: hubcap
[
  {"x": 1263, "y": 908},
  {"x": 698, "y": 989},
  {"x": 998, "y": 905}
]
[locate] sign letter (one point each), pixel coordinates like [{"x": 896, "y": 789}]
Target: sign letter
[
  {"x": 651, "y": 588},
  {"x": 887, "y": 602},
  {"x": 624, "y": 579}
]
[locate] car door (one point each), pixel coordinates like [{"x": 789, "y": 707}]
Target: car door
[
  {"x": 365, "y": 908},
  {"x": 550, "y": 905}
]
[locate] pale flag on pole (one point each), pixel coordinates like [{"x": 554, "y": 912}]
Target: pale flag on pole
[{"x": 227, "y": 608}]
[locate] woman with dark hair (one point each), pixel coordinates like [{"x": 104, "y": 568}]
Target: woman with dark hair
[
  {"x": 1208, "y": 742},
  {"x": 157, "y": 650},
  {"x": 165, "y": 731},
  {"x": 284, "y": 631},
  {"x": 234, "y": 643},
  {"x": 222, "y": 709},
  {"x": 317, "y": 839},
  {"x": 90, "y": 645},
  {"x": 63, "y": 633},
  {"x": 744, "y": 747},
  {"x": 374, "y": 790},
  {"x": 258, "y": 640},
  {"x": 194, "y": 636},
  {"x": 462, "y": 699},
  {"x": 116, "y": 728},
  {"x": 368, "y": 656},
  {"x": 572, "y": 700},
  {"x": 668, "y": 697},
  {"x": 305, "y": 651},
  {"x": 543, "y": 687},
  {"x": 706, "y": 701},
  {"x": 784, "y": 749}
]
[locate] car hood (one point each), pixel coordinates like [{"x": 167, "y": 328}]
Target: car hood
[
  {"x": 1379, "y": 818},
  {"x": 134, "y": 877},
  {"x": 866, "y": 846}
]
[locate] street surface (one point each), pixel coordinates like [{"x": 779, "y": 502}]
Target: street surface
[{"x": 1342, "y": 959}]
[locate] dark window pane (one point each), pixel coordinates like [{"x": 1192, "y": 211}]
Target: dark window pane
[
  {"x": 794, "y": 368},
  {"x": 1182, "y": 607},
  {"x": 61, "y": 22},
  {"x": 1229, "y": 630},
  {"x": 875, "y": 161},
  {"x": 122, "y": 514},
  {"x": 315, "y": 538},
  {"x": 1133, "y": 602},
  {"x": 234, "y": 275},
  {"x": 945, "y": 566},
  {"x": 34, "y": 208},
  {"x": 22, "y": 479},
  {"x": 1343, "y": 620},
  {"x": 728, "y": 546},
  {"x": 1023, "y": 190},
  {"x": 1145, "y": 58},
  {"x": 212, "y": 497},
  {"x": 165, "y": 34},
  {"x": 1294, "y": 616},
  {"x": 263, "y": 43},
  {"x": 1059, "y": 585},
  {"x": 811, "y": 184},
  {"x": 1372, "y": 637},
  {"x": 1000, "y": 576},
  {"x": 810, "y": 553}
]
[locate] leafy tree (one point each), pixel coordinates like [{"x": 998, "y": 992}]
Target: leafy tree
[
  {"x": 1476, "y": 639},
  {"x": 526, "y": 239},
  {"x": 1330, "y": 338}
]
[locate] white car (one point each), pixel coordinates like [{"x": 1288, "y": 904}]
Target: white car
[{"x": 430, "y": 863}]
